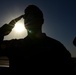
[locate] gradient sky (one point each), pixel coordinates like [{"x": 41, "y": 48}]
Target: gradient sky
[{"x": 59, "y": 16}]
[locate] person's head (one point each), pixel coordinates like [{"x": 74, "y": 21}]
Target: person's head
[
  {"x": 74, "y": 41},
  {"x": 33, "y": 18}
]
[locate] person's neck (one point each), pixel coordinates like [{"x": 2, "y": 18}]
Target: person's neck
[{"x": 34, "y": 35}]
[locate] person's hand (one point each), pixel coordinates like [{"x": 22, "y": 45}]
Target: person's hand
[
  {"x": 12, "y": 23},
  {"x": 5, "y": 29}
]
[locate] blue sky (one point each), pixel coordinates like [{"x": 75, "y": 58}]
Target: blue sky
[{"x": 59, "y": 16}]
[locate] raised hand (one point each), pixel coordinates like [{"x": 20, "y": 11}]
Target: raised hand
[{"x": 7, "y": 28}]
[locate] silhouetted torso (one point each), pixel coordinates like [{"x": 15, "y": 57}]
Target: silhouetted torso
[{"x": 40, "y": 56}]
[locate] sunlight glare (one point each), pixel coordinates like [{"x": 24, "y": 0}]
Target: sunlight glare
[{"x": 19, "y": 27}]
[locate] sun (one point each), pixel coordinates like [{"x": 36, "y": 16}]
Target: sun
[
  {"x": 19, "y": 27},
  {"x": 18, "y": 32}
]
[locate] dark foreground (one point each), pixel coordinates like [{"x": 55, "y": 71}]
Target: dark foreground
[{"x": 4, "y": 64}]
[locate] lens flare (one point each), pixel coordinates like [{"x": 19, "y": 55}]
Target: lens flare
[{"x": 19, "y": 27}]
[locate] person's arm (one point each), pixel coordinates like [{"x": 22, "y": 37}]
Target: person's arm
[
  {"x": 4, "y": 30},
  {"x": 68, "y": 64}
]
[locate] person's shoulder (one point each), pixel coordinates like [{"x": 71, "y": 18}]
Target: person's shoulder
[
  {"x": 12, "y": 42},
  {"x": 57, "y": 45},
  {"x": 53, "y": 40}
]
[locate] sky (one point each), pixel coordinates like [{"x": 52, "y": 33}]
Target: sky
[{"x": 59, "y": 19}]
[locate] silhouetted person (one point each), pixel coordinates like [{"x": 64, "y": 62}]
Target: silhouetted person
[
  {"x": 74, "y": 41},
  {"x": 37, "y": 53}
]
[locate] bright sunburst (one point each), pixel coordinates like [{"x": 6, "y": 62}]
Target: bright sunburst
[
  {"x": 19, "y": 31},
  {"x": 19, "y": 27}
]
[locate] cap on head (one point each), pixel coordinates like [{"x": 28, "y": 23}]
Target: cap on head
[{"x": 34, "y": 13}]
